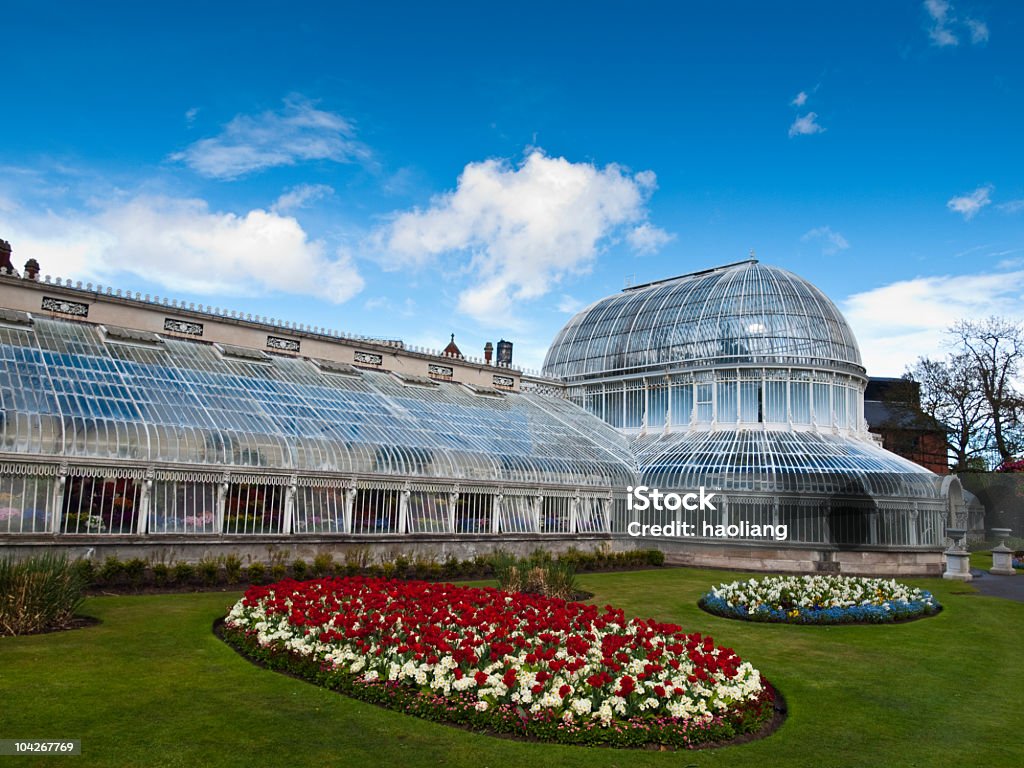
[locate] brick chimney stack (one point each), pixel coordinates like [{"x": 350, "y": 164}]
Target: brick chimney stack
[
  {"x": 31, "y": 270},
  {"x": 488, "y": 351},
  {"x": 5, "y": 257}
]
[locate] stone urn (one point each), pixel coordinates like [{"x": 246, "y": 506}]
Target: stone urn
[{"x": 1002, "y": 556}]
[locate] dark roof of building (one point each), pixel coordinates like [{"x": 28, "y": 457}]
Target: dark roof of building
[{"x": 879, "y": 415}]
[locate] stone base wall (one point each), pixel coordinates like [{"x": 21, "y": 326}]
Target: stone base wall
[
  {"x": 372, "y": 549},
  {"x": 800, "y": 559}
]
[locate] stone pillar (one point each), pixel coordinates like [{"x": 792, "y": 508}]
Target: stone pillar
[{"x": 1002, "y": 556}]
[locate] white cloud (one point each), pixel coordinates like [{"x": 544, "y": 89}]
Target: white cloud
[
  {"x": 945, "y": 27},
  {"x": 1011, "y": 206},
  {"x": 979, "y": 31},
  {"x": 300, "y": 196},
  {"x": 800, "y": 99},
  {"x": 570, "y": 305},
  {"x": 190, "y": 115},
  {"x": 897, "y": 323},
  {"x": 647, "y": 238},
  {"x": 523, "y": 227},
  {"x": 832, "y": 242},
  {"x": 251, "y": 143},
  {"x": 181, "y": 244},
  {"x": 805, "y": 125},
  {"x": 969, "y": 205}
]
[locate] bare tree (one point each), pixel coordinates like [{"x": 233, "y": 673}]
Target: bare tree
[
  {"x": 995, "y": 347},
  {"x": 950, "y": 393}
]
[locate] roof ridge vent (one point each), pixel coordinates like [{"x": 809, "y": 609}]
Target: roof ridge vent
[{"x": 708, "y": 271}]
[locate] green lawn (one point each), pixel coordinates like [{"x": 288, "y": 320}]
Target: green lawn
[{"x": 152, "y": 686}]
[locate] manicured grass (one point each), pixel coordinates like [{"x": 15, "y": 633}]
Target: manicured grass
[{"x": 152, "y": 686}]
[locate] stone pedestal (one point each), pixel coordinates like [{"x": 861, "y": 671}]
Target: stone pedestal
[
  {"x": 958, "y": 564},
  {"x": 958, "y": 559},
  {"x": 1002, "y": 556}
]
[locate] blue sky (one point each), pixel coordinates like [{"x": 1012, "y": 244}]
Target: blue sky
[{"x": 413, "y": 170}]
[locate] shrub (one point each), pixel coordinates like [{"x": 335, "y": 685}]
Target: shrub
[
  {"x": 111, "y": 571},
  {"x": 299, "y": 569},
  {"x": 209, "y": 571},
  {"x": 450, "y": 568},
  {"x": 135, "y": 570},
  {"x": 536, "y": 575},
  {"x": 257, "y": 573},
  {"x": 278, "y": 571},
  {"x": 161, "y": 574},
  {"x": 233, "y": 569},
  {"x": 655, "y": 557},
  {"x": 38, "y": 594},
  {"x": 184, "y": 573},
  {"x": 86, "y": 571},
  {"x": 323, "y": 564}
]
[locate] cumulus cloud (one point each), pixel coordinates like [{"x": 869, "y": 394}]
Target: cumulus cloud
[
  {"x": 570, "y": 305},
  {"x": 183, "y": 245},
  {"x": 897, "y": 323},
  {"x": 300, "y": 196},
  {"x": 647, "y": 238},
  {"x": 831, "y": 242},
  {"x": 251, "y": 143},
  {"x": 968, "y": 205},
  {"x": 800, "y": 99},
  {"x": 945, "y": 27},
  {"x": 522, "y": 226},
  {"x": 805, "y": 125}
]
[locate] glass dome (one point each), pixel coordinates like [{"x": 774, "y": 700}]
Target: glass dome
[{"x": 738, "y": 314}]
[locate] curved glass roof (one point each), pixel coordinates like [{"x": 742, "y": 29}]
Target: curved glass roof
[
  {"x": 738, "y": 314},
  {"x": 66, "y": 392},
  {"x": 779, "y": 462}
]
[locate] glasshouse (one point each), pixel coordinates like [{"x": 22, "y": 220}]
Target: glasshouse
[
  {"x": 122, "y": 425},
  {"x": 747, "y": 379}
]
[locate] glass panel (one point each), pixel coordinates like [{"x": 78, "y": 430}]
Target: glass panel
[
  {"x": 657, "y": 404},
  {"x": 473, "y": 513},
  {"x": 822, "y": 408},
  {"x": 775, "y": 410},
  {"x": 554, "y": 516},
  {"x": 682, "y": 404},
  {"x": 252, "y": 508},
  {"x": 319, "y": 510},
  {"x": 727, "y": 413},
  {"x": 375, "y": 510},
  {"x": 428, "y": 512},
  {"x": 98, "y": 505},
  {"x": 750, "y": 402},
  {"x": 800, "y": 401},
  {"x": 183, "y": 507},
  {"x": 704, "y": 404},
  {"x": 517, "y": 515},
  {"x": 24, "y": 500}
]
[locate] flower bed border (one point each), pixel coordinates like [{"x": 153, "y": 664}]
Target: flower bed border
[
  {"x": 898, "y": 612},
  {"x": 752, "y": 722}
]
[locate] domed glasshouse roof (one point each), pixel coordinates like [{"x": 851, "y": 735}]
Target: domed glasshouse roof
[{"x": 743, "y": 313}]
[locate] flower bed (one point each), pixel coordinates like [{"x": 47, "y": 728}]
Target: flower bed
[
  {"x": 819, "y": 600},
  {"x": 504, "y": 662}
]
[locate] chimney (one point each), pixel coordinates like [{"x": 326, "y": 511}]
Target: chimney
[
  {"x": 5, "y": 258},
  {"x": 31, "y": 270},
  {"x": 488, "y": 350}
]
